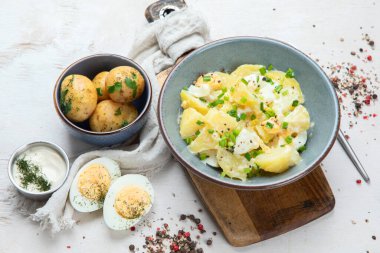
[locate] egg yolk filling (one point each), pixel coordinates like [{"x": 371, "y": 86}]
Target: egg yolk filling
[
  {"x": 131, "y": 202},
  {"x": 94, "y": 182}
]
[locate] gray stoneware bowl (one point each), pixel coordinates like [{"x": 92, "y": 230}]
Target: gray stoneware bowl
[
  {"x": 90, "y": 66},
  {"x": 227, "y": 54}
]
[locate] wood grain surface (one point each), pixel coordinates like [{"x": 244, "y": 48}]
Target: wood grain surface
[{"x": 248, "y": 217}]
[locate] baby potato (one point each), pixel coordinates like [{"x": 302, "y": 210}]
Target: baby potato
[
  {"x": 110, "y": 115},
  {"x": 78, "y": 98},
  {"x": 99, "y": 82},
  {"x": 125, "y": 84}
]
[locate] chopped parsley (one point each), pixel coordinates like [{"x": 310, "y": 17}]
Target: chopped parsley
[
  {"x": 295, "y": 103},
  {"x": 118, "y": 112},
  {"x": 125, "y": 123},
  {"x": 285, "y": 125},
  {"x": 207, "y": 78},
  {"x": 134, "y": 76},
  {"x": 288, "y": 139},
  {"x": 263, "y": 71},
  {"x": 132, "y": 85},
  {"x": 115, "y": 87},
  {"x": 99, "y": 91},
  {"x": 244, "y": 81},
  {"x": 200, "y": 123},
  {"x": 289, "y": 73}
]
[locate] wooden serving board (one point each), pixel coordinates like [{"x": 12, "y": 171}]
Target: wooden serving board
[{"x": 248, "y": 217}]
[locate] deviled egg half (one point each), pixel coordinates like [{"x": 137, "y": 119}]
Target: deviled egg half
[
  {"x": 91, "y": 184},
  {"x": 129, "y": 198}
]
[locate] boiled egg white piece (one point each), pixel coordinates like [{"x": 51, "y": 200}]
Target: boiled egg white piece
[
  {"x": 202, "y": 90},
  {"x": 128, "y": 200},
  {"x": 92, "y": 183},
  {"x": 246, "y": 141}
]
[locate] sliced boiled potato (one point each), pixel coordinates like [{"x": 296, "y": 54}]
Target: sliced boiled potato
[
  {"x": 264, "y": 135},
  {"x": 246, "y": 70},
  {"x": 204, "y": 141},
  {"x": 220, "y": 121},
  {"x": 232, "y": 165},
  {"x": 191, "y": 122},
  {"x": 243, "y": 96},
  {"x": 298, "y": 120},
  {"x": 190, "y": 101},
  {"x": 278, "y": 160}
]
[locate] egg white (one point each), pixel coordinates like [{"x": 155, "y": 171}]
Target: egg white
[
  {"x": 83, "y": 204},
  {"x": 114, "y": 220}
]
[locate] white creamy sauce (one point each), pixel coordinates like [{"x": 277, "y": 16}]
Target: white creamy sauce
[{"x": 51, "y": 164}]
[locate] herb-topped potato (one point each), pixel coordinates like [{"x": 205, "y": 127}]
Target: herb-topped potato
[
  {"x": 125, "y": 84},
  {"x": 100, "y": 85},
  {"x": 110, "y": 115},
  {"x": 78, "y": 98}
]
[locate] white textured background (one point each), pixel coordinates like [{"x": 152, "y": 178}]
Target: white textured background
[{"x": 39, "y": 38}]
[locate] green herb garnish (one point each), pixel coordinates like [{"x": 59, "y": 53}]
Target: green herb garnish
[
  {"x": 243, "y": 100},
  {"x": 65, "y": 103},
  {"x": 295, "y": 103},
  {"x": 125, "y": 123},
  {"x": 236, "y": 132},
  {"x": 278, "y": 88},
  {"x": 115, "y": 87},
  {"x": 132, "y": 85},
  {"x": 285, "y": 125},
  {"x": 31, "y": 174},
  {"x": 210, "y": 131},
  {"x": 188, "y": 140},
  {"x": 253, "y": 117},
  {"x": 285, "y": 93},
  {"x": 247, "y": 170},
  {"x": 207, "y": 78},
  {"x": 263, "y": 71},
  {"x": 203, "y": 157},
  {"x": 223, "y": 142},
  {"x": 118, "y": 112},
  {"x": 99, "y": 91},
  {"x": 243, "y": 116},
  {"x": 301, "y": 149},
  {"x": 244, "y": 81},
  {"x": 288, "y": 139},
  {"x": 134, "y": 76},
  {"x": 200, "y": 123},
  {"x": 289, "y": 73},
  {"x": 270, "y": 113},
  {"x": 216, "y": 102},
  {"x": 270, "y": 67},
  {"x": 203, "y": 100},
  {"x": 269, "y": 125},
  {"x": 197, "y": 133}
]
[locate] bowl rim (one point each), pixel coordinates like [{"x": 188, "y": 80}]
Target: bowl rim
[
  {"x": 71, "y": 124},
  {"x": 27, "y": 146},
  {"x": 277, "y": 184}
]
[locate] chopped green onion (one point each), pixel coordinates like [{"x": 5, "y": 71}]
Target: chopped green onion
[
  {"x": 285, "y": 125},
  {"x": 230, "y": 143},
  {"x": 185, "y": 88},
  {"x": 243, "y": 100},
  {"x": 247, "y": 170},
  {"x": 295, "y": 103},
  {"x": 288, "y": 139},
  {"x": 255, "y": 153},
  {"x": 203, "y": 100},
  {"x": 203, "y": 157},
  {"x": 236, "y": 132},
  {"x": 269, "y": 125},
  {"x": 223, "y": 142},
  {"x": 206, "y": 78},
  {"x": 263, "y": 71},
  {"x": 285, "y": 93},
  {"x": 289, "y": 73},
  {"x": 224, "y": 89},
  {"x": 301, "y": 149},
  {"x": 257, "y": 79},
  {"x": 197, "y": 133},
  {"x": 132, "y": 85},
  {"x": 200, "y": 123},
  {"x": 223, "y": 174},
  {"x": 262, "y": 107},
  {"x": 226, "y": 98},
  {"x": 216, "y": 102},
  {"x": 270, "y": 67},
  {"x": 188, "y": 140},
  {"x": 243, "y": 116},
  {"x": 278, "y": 88},
  {"x": 118, "y": 112},
  {"x": 248, "y": 156},
  {"x": 253, "y": 117},
  {"x": 270, "y": 113},
  {"x": 210, "y": 131},
  {"x": 232, "y": 89},
  {"x": 244, "y": 81}
]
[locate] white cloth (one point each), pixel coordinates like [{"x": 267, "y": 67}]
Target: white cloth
[{"x": 156, "y": 48}]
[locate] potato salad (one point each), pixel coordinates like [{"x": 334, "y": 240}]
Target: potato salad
[{"x": 249, "y": 123}]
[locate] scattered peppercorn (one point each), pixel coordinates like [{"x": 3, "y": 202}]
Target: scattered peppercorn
[
  {"x": 358, "y": 181},
  {"x": 374, "y": 237},
  {"x": 131, "y": 247},
  {"x": 209, "y": 242}
]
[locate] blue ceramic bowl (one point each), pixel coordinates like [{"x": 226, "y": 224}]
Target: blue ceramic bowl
[
  {"x": 90, "y": 66},
  {"x": 227, "y": 54}
]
